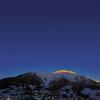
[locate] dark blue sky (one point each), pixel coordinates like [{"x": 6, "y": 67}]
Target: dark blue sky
[{"x": 40, "y": 35}]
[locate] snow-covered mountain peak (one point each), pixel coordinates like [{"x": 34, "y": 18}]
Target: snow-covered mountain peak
[{"x": 62, "y": 84}]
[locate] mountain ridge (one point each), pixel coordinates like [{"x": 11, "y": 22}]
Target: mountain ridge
[{"x": 57, "y": 83}]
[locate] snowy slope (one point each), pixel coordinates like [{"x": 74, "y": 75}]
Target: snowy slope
[{"x": 62, "y": 83}]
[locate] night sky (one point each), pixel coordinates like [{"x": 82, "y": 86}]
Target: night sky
[{"x": 38, "y": 35}]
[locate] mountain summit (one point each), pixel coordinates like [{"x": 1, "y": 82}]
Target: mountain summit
[{"x": 59, "y": 85}]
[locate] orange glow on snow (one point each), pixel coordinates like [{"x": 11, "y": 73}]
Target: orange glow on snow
[
  {"x": 64, "y": 71},
  {"x": 97, "y": 81}
]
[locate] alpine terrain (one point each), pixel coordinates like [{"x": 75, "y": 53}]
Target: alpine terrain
[{"x": 58, "y": 85}]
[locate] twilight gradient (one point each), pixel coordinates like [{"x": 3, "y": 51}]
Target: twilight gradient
[{"x": 48, "y": 35}]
